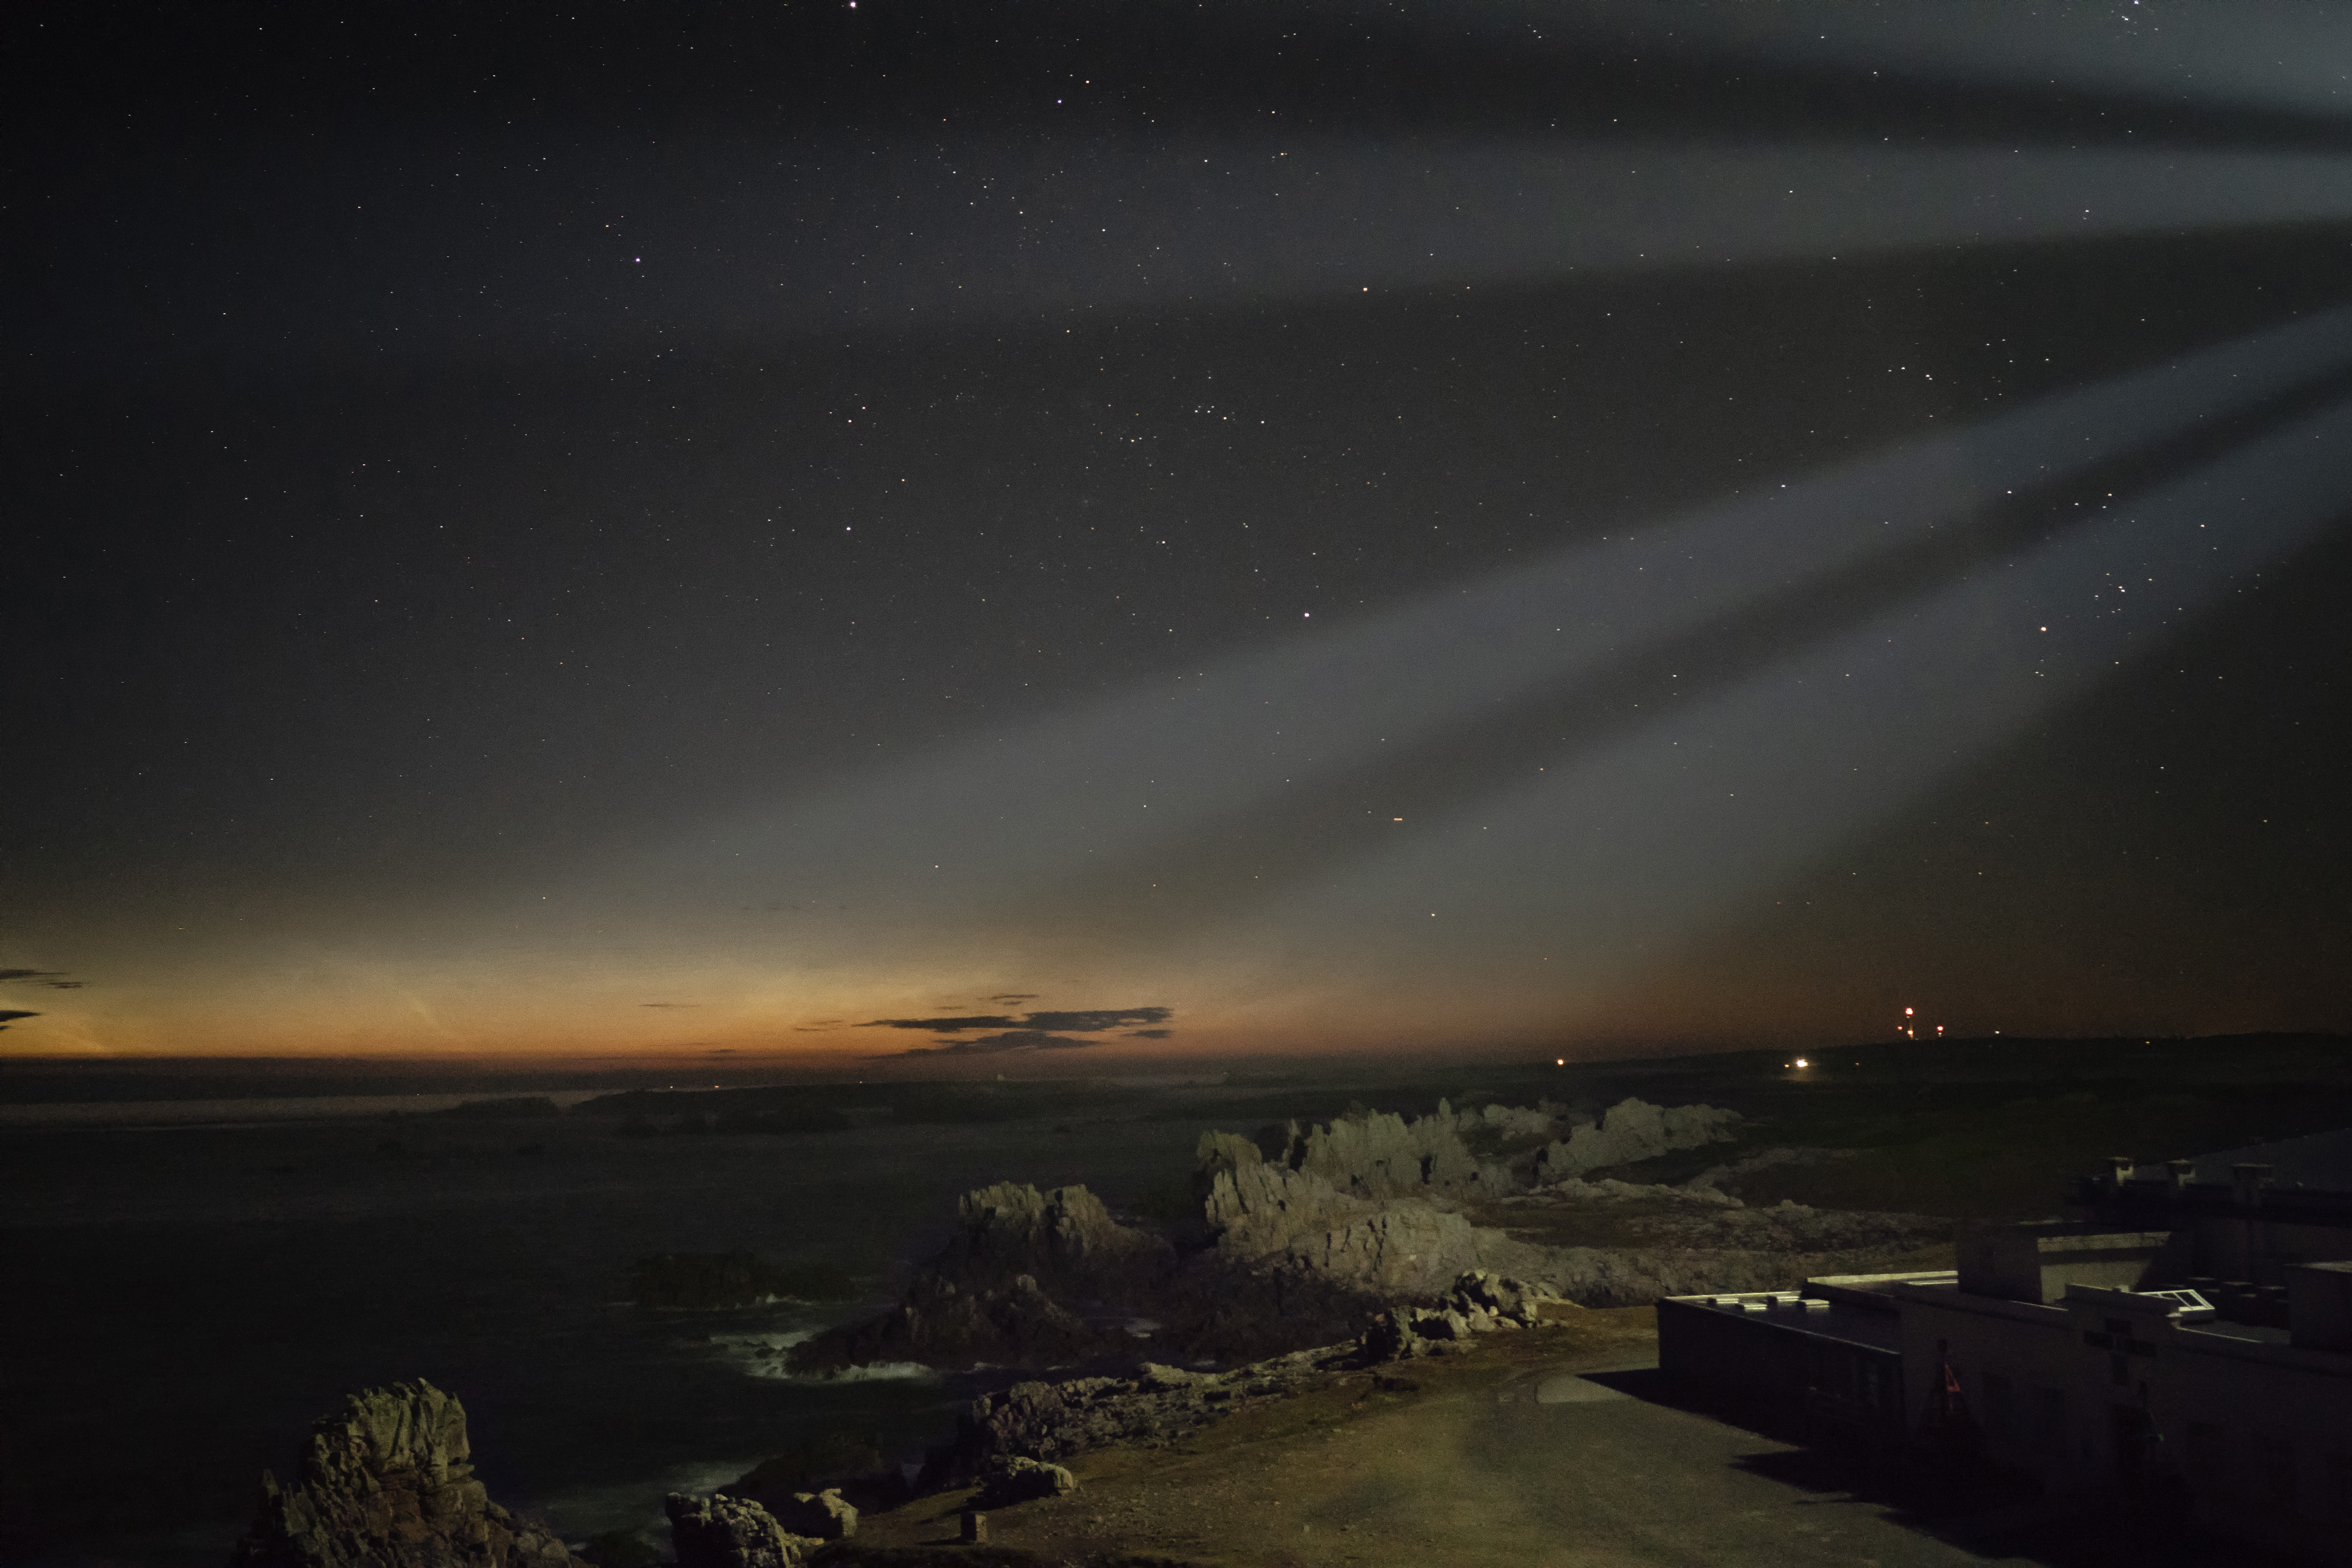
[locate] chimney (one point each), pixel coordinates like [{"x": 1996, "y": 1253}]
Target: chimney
[
  {"x": 2246, "y": 1184},
  {"x": 2182, "y": 1170},
  {"x": 2124, "y": 1168}
]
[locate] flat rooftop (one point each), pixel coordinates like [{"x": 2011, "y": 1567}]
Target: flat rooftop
[{"x": 1809, "y": 1313}]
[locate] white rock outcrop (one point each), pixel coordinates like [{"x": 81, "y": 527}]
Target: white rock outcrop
[{"x": 1633, "y": 1129}]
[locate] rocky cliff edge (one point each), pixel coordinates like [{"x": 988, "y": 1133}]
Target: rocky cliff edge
[{"x": 387, "y": 1481}]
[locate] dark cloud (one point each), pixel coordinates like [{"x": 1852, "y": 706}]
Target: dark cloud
[
  {"x": 1099, "y": 1019},
  {"x": 1147, "y": 1034},
  {"x": 1015, "y": 996},
  {"x": 7, "y": 1013},
  {"x": 669, "y": 1003},
  {"x": 1032, "y": 1030},
  {"x": 996, "y": 1044},
  {"x": 52, "y": 978}
]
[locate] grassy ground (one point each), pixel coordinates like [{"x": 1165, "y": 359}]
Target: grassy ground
[{"x": 1239, "y": 1492}]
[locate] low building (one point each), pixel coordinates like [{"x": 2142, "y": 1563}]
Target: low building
[
  {"x": 1827, "y": 1360},
  {"x": 2188, "y": 1338}
]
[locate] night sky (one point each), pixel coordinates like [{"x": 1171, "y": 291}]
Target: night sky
[{"x": 1105, "y": 534}]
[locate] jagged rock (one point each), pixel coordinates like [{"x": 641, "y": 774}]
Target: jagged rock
[
  {"x": 1511, "y": 1123},
  {"x": 1382, "y": 1156},
  {"x": 1480, "y": 1303},
  {"x": 1379, "y": 1155},
  {"x": 721, "y": 1531},
  {"x": 1065, "y": 1239},
  {"x": 1406, "y": 1250},
  {"x": 1260, "y": 1211},
  {"x": 1221, "y": 1151},
  {"x": 995, "y": 1292},
  {"x": 942, "y": 1325},
  {"x": 1509, "y": 1302},
  {"x": 1633, "y": 1129},
  {"x": 1298, "y": 1243},
  {"x": 1256, "y": 1208},
  {"x": 825, "y": 1515},
  {"x": 387, "y": 1482},
  {"x": 1013, "y": 1478},
  {"x": 1162, "y": 1405}
]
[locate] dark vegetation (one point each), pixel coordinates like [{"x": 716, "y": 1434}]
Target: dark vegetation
[
  {"x": 1990, "y": 1129},
  {"x": 521, "y": 1107}
]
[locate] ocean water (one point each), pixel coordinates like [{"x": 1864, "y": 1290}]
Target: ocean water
[{"x": 183, "y": 1299}]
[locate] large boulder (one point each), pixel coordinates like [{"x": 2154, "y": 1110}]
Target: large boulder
[
  {"x": 825, "y": 1515},
  {"x": 1012, "y": 1478},
  {"x": 721, "y": 1531},
  {"x": 387, "y": 1481},
  {"x": 1161, "y": 1406},
  {"x": 1480, "y": 1303},
  {"x": 1509, "y": 1302}
]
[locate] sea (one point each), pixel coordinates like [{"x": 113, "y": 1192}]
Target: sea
[{"x": 186, "y": 1289}]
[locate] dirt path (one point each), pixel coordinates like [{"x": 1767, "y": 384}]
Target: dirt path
[{"x": 1508, "y": 1455}]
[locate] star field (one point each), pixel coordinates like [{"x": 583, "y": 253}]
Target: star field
[{"x": 1322, "y": 528}]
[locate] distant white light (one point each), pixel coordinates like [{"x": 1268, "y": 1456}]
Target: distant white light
[{"x": 1802, "y": 1062}]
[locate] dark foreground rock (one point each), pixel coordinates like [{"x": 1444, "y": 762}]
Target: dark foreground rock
[
  {"x": 824, "y": 1516},
  {"x": 1050, "y": 1278},
  {"x": 1037, "y": 1423},
  {"x": 997, "y": 1292},
  {"x": 1015, "y": 1478},
  {"x": 842, "y": 1466},
  {"x": 387, "y": 1481},
  {"x": 1044, "y": 1422},
  {"x": 722, "y": 1531},
  {"x": 1479, "y": 1303}
]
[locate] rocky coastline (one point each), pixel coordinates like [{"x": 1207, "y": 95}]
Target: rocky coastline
[
  {"x": 1310, "y": 1253},
  {"x": 1301, "y": 1236},
  {"x": 387, "y": 1481}
]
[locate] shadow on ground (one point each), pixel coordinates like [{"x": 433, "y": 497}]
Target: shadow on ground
[{"x": 1998, "y": 1514}]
